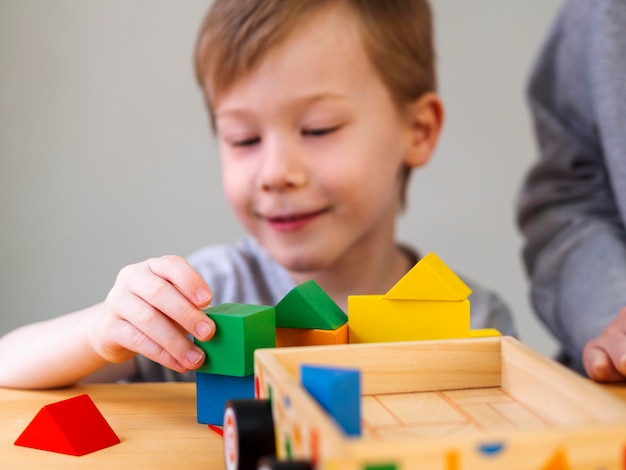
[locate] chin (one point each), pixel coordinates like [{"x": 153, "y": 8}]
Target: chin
[
  {"x": 299, "y": 262},
  {"x": 302, "y": 265},
  {"x": 303, "y": 252}
]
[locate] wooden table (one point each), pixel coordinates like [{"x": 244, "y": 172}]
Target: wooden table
[{"x": 155, "y": 422}]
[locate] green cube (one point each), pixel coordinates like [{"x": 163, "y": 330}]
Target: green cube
[
  {"x": 240, "y": 330},
  {"x": 308, "y": 306}
]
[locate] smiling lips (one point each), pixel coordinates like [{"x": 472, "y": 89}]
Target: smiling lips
[{"x": 293, "y": 222}]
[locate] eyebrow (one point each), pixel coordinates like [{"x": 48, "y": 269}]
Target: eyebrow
[{"x": 299, "y": 102}]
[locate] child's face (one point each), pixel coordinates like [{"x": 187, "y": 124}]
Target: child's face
[{"x": 311, "y": 146}]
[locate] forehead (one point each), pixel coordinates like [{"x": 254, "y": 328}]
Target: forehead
[{"x": 321, "y": 55}]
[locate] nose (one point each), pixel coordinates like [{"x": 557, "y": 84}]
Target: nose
[{"x": 283, "y": 166}]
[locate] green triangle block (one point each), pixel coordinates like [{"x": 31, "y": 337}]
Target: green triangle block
[{"x": 308, "y": 306}]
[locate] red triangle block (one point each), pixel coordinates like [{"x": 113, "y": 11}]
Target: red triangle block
[{"x": 73, "y": 426}]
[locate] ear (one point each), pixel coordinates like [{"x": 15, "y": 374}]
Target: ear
[{"x": 426, "y": 116}]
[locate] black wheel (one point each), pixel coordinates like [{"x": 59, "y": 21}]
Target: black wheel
[
  {"x": 271, "y": 463},
  {"x": 248, "y": 433}
]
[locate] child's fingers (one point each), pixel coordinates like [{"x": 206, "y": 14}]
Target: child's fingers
[
  {"x": 153, "y": 335},
  {"x": 134, "y": 340},
  {"x": 168, "y": 300},
  {"x": 173, "y": 287},
  {"x": 150, "y": 310},
  {"x": 181, "y": 274}
]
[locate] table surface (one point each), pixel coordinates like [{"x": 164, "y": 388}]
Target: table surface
[{"x": 156, "y": 423}]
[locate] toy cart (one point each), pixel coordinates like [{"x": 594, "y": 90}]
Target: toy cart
[{"x": 478, "y": 403}]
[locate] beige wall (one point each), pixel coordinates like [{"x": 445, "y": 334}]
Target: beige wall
[{"x": 107, "y": 158}]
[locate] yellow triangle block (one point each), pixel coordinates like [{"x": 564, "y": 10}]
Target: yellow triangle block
[{"x": 429, "y": 279}]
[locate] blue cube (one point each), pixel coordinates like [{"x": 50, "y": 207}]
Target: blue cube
[{"x": 213, "y": 391}]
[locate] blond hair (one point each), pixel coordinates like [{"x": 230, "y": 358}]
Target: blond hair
[{"x": 397, "y": 36}]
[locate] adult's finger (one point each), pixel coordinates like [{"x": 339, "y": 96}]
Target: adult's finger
[{"x": 600, "y": 365}]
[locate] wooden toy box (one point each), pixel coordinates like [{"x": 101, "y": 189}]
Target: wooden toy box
[{"x": 479, "y": 403}]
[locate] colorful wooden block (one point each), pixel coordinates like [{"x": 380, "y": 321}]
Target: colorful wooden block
[
  {"x": 429, "y": 302},
  {"x": 308, "y": 306},
  {"x": 288, "y": 337},
  {"x": 74, "y": 426},
  {"x": 484, "y": 332},
  {"x": 240, "y": 330},
  {"x": 557, "y": 462},
  {"x": 373, "y": 318},
  {"x": 429, "y": 279},
  {"x": 213, "y": 391},
  {"x": 338, "y": 391}
]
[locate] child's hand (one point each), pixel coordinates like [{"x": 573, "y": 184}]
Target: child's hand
[
  {"x": 149, "y": 310},
  {"x": 604, "y": 357}
]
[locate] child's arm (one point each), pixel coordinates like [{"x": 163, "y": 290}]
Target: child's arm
[
  {"x": 149, "y": 310},
  {"x": 604, "y": 357}
]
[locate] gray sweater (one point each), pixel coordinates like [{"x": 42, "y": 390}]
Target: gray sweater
[
  {"x": 572, "y": 206},
  {"x": 245, "y": 273}
]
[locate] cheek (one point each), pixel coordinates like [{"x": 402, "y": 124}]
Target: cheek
[
  {"x": 365, "y": 179},
  {"x": 236, "y": 188},
  {"x": 349, "y": 191}
]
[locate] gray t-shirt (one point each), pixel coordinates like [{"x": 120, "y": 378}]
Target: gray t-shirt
[
  {"x": 572, "y": 208},
  {"x": 245, "y": 273}
]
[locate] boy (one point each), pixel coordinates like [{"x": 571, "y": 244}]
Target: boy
[{"x": 321, "y": 108}]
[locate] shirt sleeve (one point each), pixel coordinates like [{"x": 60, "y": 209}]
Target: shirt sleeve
[{"x": 573, "y": 202}]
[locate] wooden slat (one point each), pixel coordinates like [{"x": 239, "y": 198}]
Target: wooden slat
[
  {"x": 374, "y": 414},
  {"x": 425, "y": 407},
  {"x": 554, "y": 392},
  {"x": 478, "y": 395},
  {"x": 590, "y": 447},
  {"x": 486, "y": 417},
  {"x": 427, "y": 432},
  {"x": 407, "y": 366},
  {"x": 519, "y": 415}
]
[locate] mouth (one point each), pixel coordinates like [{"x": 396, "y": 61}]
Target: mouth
[{"x": 296, "y": 221}]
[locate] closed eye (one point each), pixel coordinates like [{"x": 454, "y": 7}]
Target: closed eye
[
  {"x": 246, "y": 142},
  {"x": 319, "y": 131}
]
